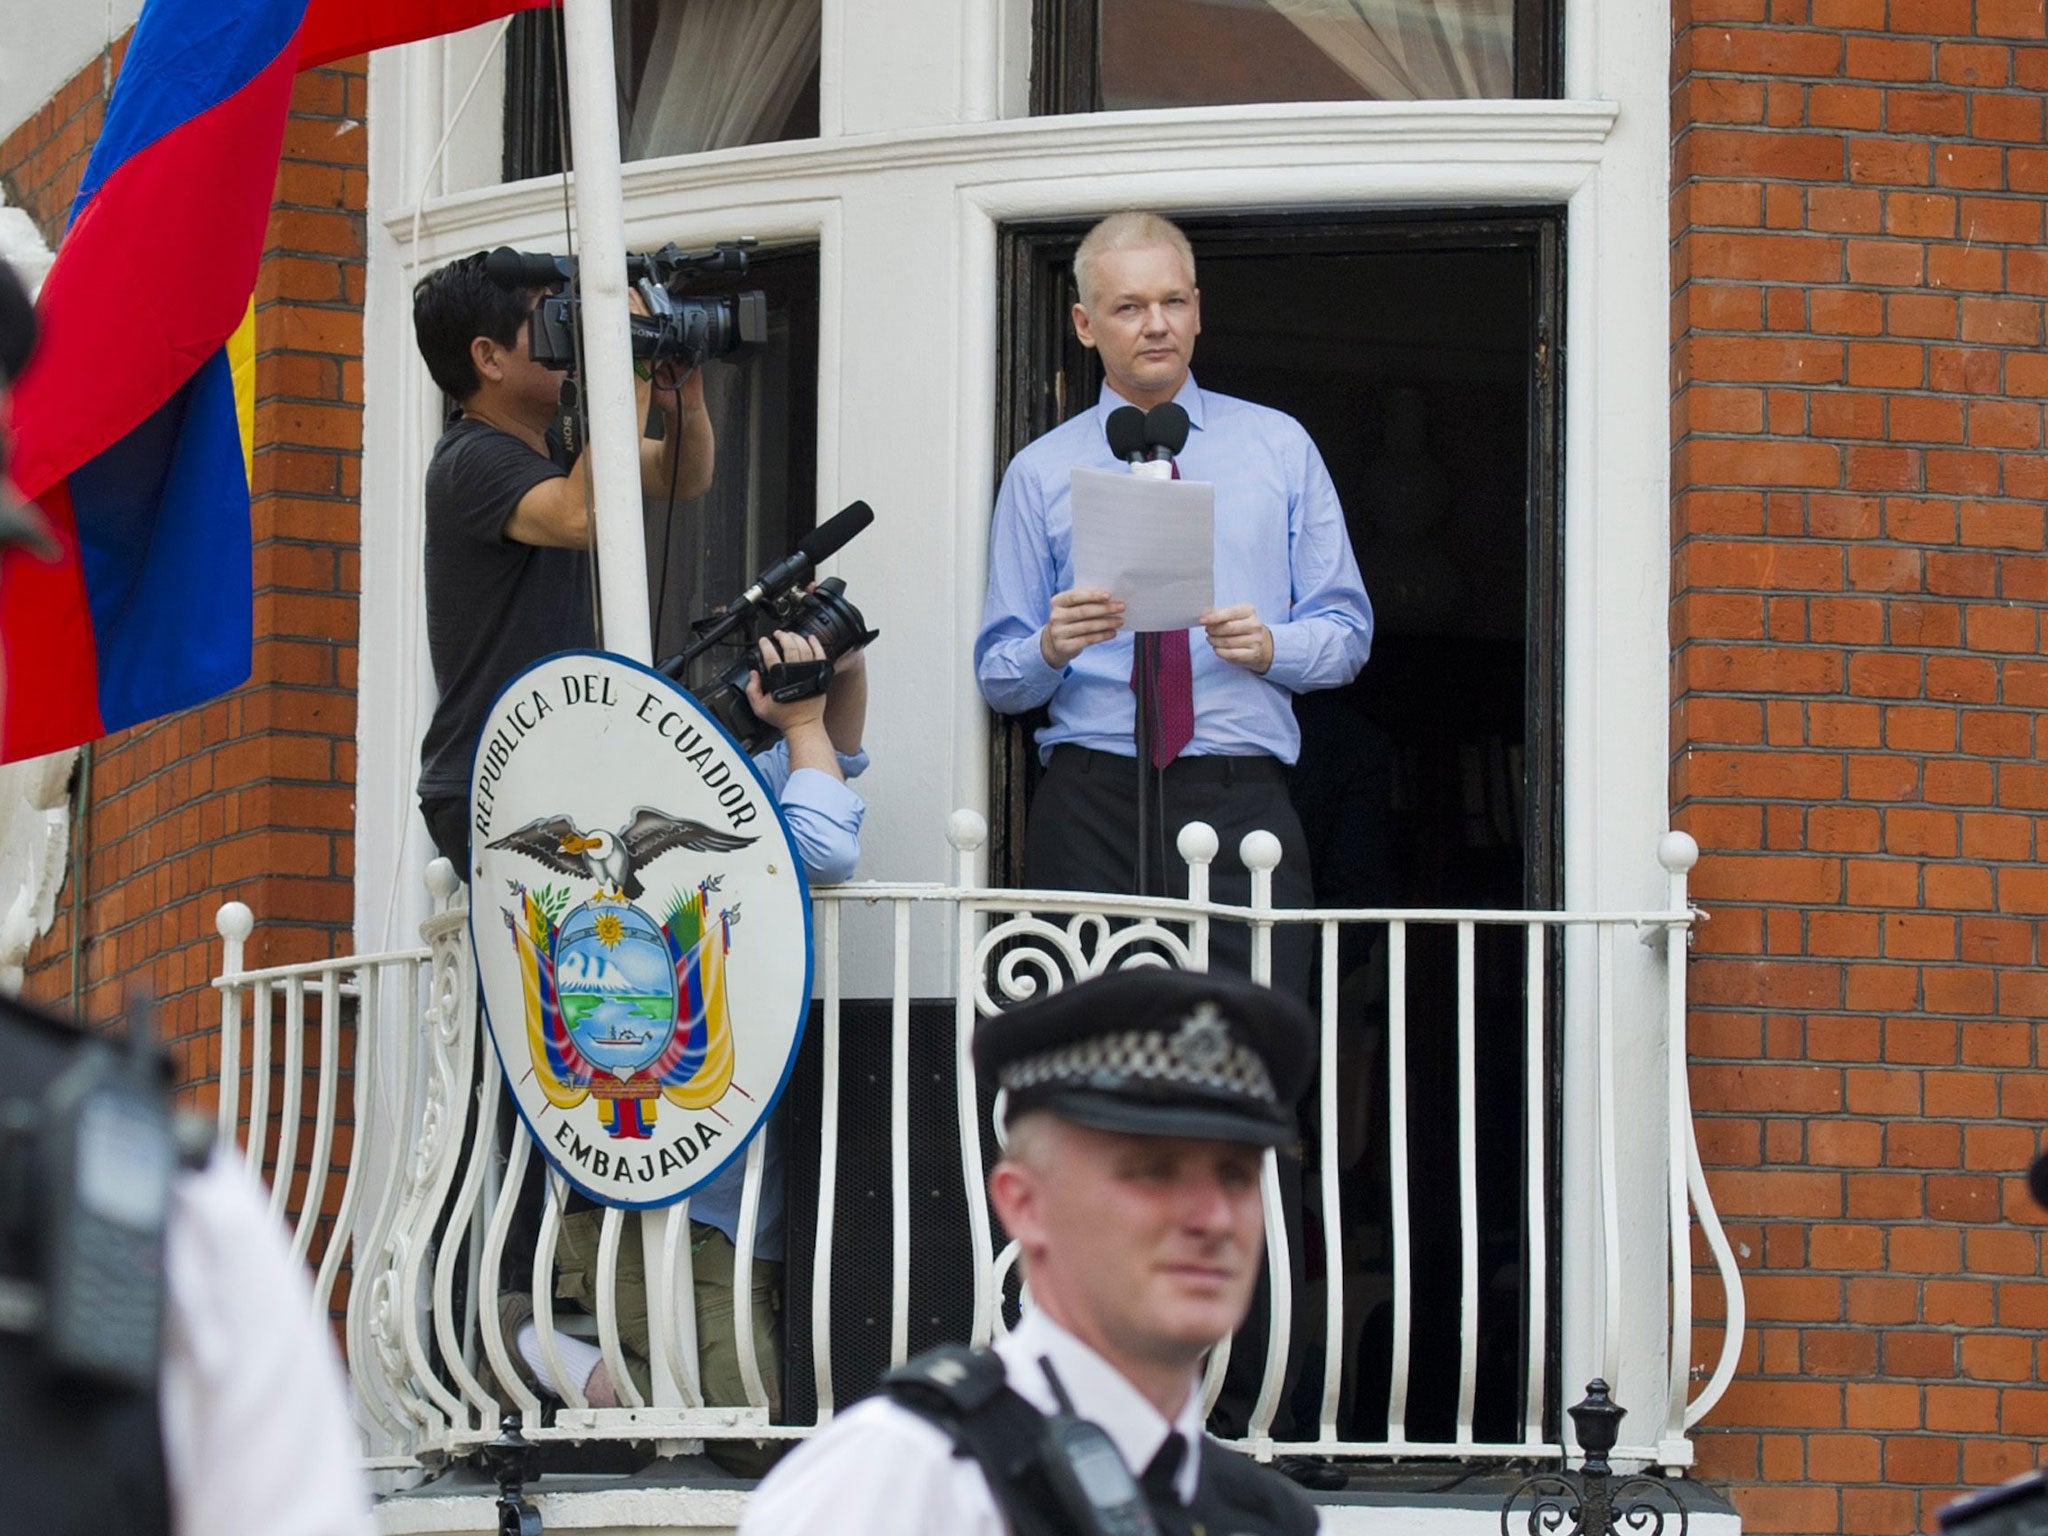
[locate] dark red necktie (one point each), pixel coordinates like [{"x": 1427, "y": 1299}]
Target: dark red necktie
[{"x": 1173, "y": 689}]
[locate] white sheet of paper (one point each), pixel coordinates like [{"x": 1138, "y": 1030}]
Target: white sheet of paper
[{"x": 1151, "y": 543}]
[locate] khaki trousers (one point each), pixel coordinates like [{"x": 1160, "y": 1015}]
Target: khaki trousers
[{"x": 718, "y": 1363}]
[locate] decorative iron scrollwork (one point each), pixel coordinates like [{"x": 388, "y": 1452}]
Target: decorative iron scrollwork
[{"x": 1589, "y": 1502}]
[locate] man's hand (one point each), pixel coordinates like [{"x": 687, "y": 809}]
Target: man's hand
[
  {"x": 682, "y": 461},
  {"x": 1083, "y": 617},
  {"x": 677, "y": 390},
  {"x": 799, "y": 712},
  {"x": 1236, "y": 635},
  {"x": 802, "y": 722}
]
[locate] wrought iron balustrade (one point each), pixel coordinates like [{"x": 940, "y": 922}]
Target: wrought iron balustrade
[{"x": 1431, "y": 1307}]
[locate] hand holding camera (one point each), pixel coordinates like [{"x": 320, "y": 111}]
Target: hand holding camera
[
  {"x": 788, "y": 692},
  {"x": 787, "y": 689}
]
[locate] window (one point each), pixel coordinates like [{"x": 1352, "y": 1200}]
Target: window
[
  {"x": 764, "y": 411},
  {"x": 692, "y": 75},
  {"x": 1114, "y": 55}
]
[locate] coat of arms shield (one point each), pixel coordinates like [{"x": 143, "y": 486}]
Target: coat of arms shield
[{"x": 641, "y": 927}]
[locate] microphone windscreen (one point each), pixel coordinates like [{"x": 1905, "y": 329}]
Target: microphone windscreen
[
  {"x": 1125, "y": 428},
  {"x": 2037, "y": 1181},
  {"x": 832, "y": 535},
  {"x": 1166, "y": 426}
]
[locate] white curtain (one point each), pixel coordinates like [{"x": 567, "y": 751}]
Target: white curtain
[
  {"x": 719, "y": 72},
  {"x": 1414, "y": 50}
]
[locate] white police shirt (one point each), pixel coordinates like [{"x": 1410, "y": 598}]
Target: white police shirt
[
  {"x": 881, "y": 1467},
  {"x": 257, "y": 1434}
]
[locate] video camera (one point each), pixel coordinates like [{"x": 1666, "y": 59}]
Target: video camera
[
  {"x": 675, "y": 329},
  {"x": 781, "y": 597}
]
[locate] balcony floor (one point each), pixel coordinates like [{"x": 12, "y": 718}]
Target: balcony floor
[{"x": 690, "y": 1494}]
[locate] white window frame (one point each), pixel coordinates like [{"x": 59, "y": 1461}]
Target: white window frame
[{"x": 924, "y": 156}]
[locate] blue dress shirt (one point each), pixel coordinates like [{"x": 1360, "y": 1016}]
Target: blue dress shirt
[
  {"x": 824, "y": 818},
  {"x": 824, "y": 815},
  {"x": 1281, "y": 545}
]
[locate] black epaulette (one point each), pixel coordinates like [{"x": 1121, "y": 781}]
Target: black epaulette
[
  {"x": 954, "y": 1377},
  {"x": 966, "y": 1394}
]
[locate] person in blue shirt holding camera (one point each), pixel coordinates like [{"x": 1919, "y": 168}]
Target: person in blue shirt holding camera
[{"x": 807, "y": 772}]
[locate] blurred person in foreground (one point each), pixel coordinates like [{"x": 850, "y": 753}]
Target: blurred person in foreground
[{"x": 162, "y": 1369}]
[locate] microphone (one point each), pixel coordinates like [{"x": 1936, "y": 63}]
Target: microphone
[
  {"x": 1166, "y": 428},
  {"x": 814, "y": 548},
  {"x": 1125, "y": 428}
]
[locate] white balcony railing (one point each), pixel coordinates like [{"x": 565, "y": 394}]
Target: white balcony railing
[{"x": 1434, "y": 1316}]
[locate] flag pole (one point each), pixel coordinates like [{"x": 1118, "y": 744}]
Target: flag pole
[
  {"x": 613, "y": 449},
  {"x": 613, "y": 453}
]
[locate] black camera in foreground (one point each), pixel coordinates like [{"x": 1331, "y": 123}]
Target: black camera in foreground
[
  {"x": 2017, "y": 1508},
  {"x": 676, "y": 329}
]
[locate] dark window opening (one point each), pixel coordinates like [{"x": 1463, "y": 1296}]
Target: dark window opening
[
  {"x": 1417, "y": 352},
  {"x": 764, "y": 496}
]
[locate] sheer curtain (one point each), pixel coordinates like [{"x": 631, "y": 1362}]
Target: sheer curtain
[
  {"x": 716, "y": 73},
  {"x": 1413, "y": 50}
]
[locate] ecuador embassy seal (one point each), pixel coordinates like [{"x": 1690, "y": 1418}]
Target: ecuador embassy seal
[{"x": 641, "y": 926}]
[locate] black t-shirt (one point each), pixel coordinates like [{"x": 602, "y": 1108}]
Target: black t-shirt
[{"x": 494, "y": 607}]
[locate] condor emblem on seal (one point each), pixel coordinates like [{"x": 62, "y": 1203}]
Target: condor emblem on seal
[{"x": 641, "y": 925}]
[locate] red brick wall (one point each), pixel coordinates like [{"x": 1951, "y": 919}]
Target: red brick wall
[
  {"x": 1858, "y": 569},
  {"x": 250, "y": 797}
]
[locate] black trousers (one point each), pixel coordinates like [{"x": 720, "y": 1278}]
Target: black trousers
[
  {"x": 1082, "y": 836},
  {"x": 447, "y": 819}
]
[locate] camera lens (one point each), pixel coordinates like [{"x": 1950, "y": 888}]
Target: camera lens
[{"x": 830, "y": 619}]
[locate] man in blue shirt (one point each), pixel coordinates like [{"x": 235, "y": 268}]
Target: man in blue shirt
[{"x": 1291, "y": 614}]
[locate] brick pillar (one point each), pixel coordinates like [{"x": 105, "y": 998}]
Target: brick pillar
[
  {"x": 1858, "y": 571},
  {"x": 250, "y": 797}
]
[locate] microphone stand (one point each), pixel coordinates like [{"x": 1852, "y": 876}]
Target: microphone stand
[
  {"x": 1129, "y": 439},
  {"x": 1147, "y": 723},
  {"x": 709, "y": 632}
]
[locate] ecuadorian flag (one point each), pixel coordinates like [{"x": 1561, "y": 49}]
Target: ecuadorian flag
[{"x": 133, "y": 422}]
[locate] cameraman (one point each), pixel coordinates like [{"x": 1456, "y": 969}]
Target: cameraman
[
  {"x": 508, "y": 566},
  {"x": 806, "y": 772}
]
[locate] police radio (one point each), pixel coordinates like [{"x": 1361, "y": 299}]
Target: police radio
[
  {"x": 1087, "y": 1472},
  {"x": 107, "y": 1155},
  {"x": 90, "y": 1150}
]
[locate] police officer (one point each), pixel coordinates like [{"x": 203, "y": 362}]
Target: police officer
[{"x": 1138, "y": 1108}]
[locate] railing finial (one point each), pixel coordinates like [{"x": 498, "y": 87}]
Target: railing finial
[
  {"x": 234, "y": 921},
  {"x": 966, "y": 830},
  {"x": 1260, "y": 850},
  {"x": 1677, "y": 852},
  {"x": 1197, "y": 843},
  {"x": 443, "y": 882}
]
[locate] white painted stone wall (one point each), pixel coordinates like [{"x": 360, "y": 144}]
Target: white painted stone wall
[
  {"x": 48, "y": 44},
  {"x": 35, "y": 808}
]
